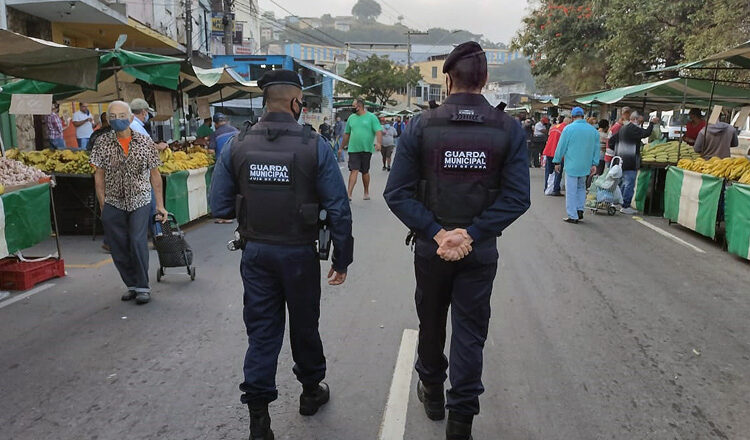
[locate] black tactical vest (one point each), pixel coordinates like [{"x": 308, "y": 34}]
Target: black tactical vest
[
  {"x": 463, "y": 149},
  {"x": 275, "y": 166}
]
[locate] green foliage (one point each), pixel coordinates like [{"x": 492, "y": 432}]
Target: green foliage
[
  {"x": 366, "y": 10},
  {"x": 580, "y": 46},
  {"x": 380, "y": 79}
]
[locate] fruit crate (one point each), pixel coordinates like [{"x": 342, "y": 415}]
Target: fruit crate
[{"x": 23, "y": 275}]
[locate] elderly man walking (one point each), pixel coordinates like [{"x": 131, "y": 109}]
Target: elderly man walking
[
  {"x": 126, "y": 169},
  {"x": 579, "y": 146}
]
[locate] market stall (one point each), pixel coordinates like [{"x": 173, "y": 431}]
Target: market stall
[
  {"x": 737, "y": 218},
  {"x": 24, "y": 218},
  {"x": 186, "y": 193},
  {"x": 691, "y": 199}
]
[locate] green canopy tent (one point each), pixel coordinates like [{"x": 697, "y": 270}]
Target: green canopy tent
[
  {"x": 117, "y": 66},
  {"x": 736, "y": 58},
  {"x": 665, "y": 94}
]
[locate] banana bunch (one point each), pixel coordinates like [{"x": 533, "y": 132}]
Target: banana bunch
[
  {"x": 732, "y": 168},
  {"x": 54, "y": 161},
  {"x": 667, "y": 152},
  {"x": 180, "y": 160}
]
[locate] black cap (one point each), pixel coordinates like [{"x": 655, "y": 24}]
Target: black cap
[
  {"x": 461, "y": 52},
  {"x": 277, "y": 77}
]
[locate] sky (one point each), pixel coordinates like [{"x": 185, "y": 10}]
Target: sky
[{"x": 497, "y": 20}]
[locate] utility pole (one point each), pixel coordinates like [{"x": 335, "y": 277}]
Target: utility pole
[
  {"x": 408, "y": 61},
  {"x": 189, "y": 30},
  {"x": 228, "y": 27}
]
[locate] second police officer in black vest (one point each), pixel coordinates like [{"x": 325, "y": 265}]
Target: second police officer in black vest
[
  {"x": 459, "y": 178},
  {"x": 275, "y": 177}
]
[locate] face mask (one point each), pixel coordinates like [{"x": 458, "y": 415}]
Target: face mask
[
  {"x": 119, "y": 124},
  {"x": 387, "y": 126},
  {"x": 148, "y": 116},
  {"x": 296, "y": 113}
]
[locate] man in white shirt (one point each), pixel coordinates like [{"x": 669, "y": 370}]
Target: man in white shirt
[{"x": 83, "y": 120}]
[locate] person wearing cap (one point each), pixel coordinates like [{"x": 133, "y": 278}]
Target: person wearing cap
[
  {"x": 223, "y": 132},
  {"x": 579, "y": 147},
  {"x": 141, "y": 109},
  {"x": 460, "y": 177},
  {"x": 83, "y": 120},
  {"x": 275, "y": 177}
]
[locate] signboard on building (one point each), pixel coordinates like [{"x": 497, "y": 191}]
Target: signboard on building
[{"x": 217, "y": 23}]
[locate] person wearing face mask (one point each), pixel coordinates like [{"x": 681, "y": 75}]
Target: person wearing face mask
[
  {"x": 460, "y": 177},
  {"x": 275, "y": 177},
  {"x": 389, "y": 144},
  {"x": 126, "y": 170}
]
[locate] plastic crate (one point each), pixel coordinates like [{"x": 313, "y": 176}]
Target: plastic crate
[{"x": 21, "y": 275}]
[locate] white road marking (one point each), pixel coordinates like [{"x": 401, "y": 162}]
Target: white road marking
[
  {"x": 23, "y": 296},
  {"x": 394, "y": 417},
  {"x": 668, "y": 235}
]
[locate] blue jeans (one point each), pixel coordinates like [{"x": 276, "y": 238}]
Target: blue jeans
[
  {"x": 83, "y": 143},
  {"x": 628, "y": 187},
  {"x": 57, "y": 143},
  {"x": 549, "y": 168},
  {"x": 575, "y": 195}
]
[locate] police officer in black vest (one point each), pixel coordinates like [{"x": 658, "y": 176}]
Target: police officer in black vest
[
  {"x": 460, "y": 177},
  {"x": 275, "y": 178}
]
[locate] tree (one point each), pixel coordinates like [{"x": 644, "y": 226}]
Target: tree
[
  {"x": 366, "y": 10},
  {"x": 380, "y": 79}
]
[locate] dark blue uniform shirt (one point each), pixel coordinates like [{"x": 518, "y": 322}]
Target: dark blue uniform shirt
[
  {"x": 512, "y": 201},
  {"x": 331, "y": 193}
]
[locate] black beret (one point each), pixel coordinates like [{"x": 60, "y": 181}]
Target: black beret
[
  {"x": 461, "y": 52},
  {"x": 277, "y": 77}
]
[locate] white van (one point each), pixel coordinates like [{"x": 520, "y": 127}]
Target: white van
[
  {"x": 673, "y": 124},
  {"x": 744, "y": 134}
]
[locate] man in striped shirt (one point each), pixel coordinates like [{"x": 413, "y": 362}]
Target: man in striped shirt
[{"x": 55, "y": 127}]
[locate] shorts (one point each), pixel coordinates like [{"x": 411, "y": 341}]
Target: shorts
[
  {"x": 360, "y": 162},
  {"x": 387, "y": 152}
]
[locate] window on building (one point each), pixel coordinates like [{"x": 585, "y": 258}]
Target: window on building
[
  {"x": 434, "y": 72},
  {"x": 436, "y": 92},
  {"x": 416, "y": 91}
]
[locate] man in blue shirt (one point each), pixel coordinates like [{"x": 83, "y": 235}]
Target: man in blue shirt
[
  {"x": 224, "y": 131},
  {"x": 579, "y": 146},
  {"x": 460, "y": 177},
  {"x": 274, "y": 178}
]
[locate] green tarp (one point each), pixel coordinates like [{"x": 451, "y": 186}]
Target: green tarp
[
  {"x": 668, "y": 93},
  {"x": 692, "y": 200},
  {"x": 737, "y": 217},
  {"x": 24, "y": 218},
  {"x": 186, "y": 194},
  {"x": 153, "y": 69},
  {"x": 737, "y": 56}
]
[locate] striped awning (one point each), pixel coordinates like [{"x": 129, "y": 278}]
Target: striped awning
[{"x": 669, "y": 92}]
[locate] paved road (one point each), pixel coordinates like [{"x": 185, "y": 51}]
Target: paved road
[{"x": 604, "y": 330}]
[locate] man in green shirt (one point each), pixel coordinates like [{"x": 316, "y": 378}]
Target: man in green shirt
[
  {"x": 205, "y": 130},
  {"x": 362, "y": 128}
]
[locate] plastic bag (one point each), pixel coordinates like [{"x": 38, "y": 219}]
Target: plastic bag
[{"x": 550, "y": 184}]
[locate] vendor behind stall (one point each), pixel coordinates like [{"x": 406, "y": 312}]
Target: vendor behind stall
[
  {"x": 204, "y": 132},
  {"x": 716, "y": 141},
  {"x": 694, "y": 126}
]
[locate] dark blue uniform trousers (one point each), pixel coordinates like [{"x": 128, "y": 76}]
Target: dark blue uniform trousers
[
  {"x": 279, "y": 278},
  {"x": 464, "y": 286},
  {"x": 126, "y": 234}
]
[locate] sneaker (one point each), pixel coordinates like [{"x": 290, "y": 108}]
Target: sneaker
[
  {"x": 142, "y": 297},
  {"x": 385, "y": 168},
  {"x": 628, "y": 211},
  {"x": 570, "y": 220},
  {"x": 580, "y": 215},
  {"x": 128, "y": 296}
]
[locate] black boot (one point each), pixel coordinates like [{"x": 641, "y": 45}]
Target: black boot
[
  {"x": 433, "y": 399},
  {"x": 458, "y": 427},
  {"x": 312, "y": 398},
  {"x": 260, "y": 423}
]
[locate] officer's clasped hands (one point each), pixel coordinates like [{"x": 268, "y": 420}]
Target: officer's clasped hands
[{"x": 453, "y": 245}]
